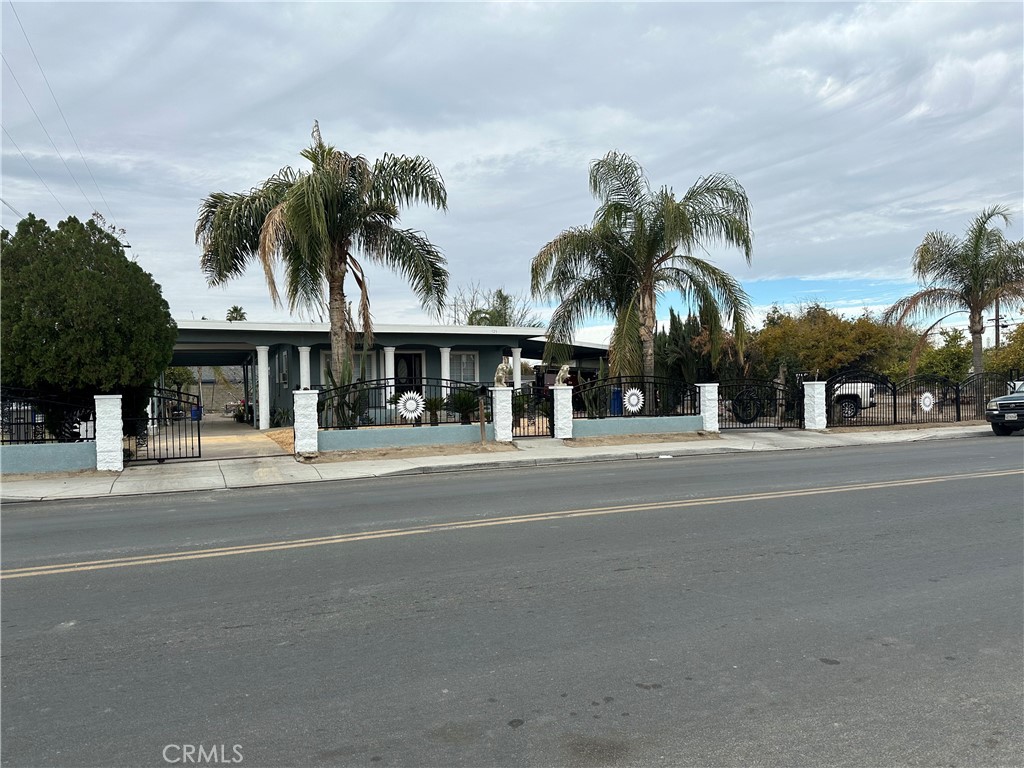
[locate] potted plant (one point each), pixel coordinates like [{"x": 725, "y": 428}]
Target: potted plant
[
  {"x": 433, "y": 406},
  {"x": 462, "y": 402}
]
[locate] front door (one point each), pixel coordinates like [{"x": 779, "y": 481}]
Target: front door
[{"x": 409, "y": 371}]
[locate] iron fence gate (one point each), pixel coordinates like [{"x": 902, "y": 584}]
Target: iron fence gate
[
  {"x": 759, "y": 404},
  {"x": 169, "y": 430},
  {"x": 533, "y": 410},
  {"x": 861, "y": 398}
]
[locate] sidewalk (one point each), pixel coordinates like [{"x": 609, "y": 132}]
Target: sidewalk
[{"x": 283, "y": 470}]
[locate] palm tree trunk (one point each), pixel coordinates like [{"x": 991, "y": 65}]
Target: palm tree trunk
[
  {"x": 648, "y": 326},
  {"x": 338, "y": 313},
  {"x": 977, "y": 328}
]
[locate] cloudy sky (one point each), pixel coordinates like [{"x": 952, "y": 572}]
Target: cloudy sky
[{"x": 854, "y": 128}]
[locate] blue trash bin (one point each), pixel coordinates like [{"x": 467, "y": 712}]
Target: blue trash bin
[
  {"x": 616, "y": 405},
  {"x": 197, "y": 413}
]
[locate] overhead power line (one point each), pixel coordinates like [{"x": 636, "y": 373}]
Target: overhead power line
[
  {"x": 61, "y": 111},
  {"x": 16, "y": 211},
  {"x": 52, "y": 143},
  {"x": 8, "y": 135}
]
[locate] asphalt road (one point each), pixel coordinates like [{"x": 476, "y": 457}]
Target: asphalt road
[{"x": 832, "y": 607}]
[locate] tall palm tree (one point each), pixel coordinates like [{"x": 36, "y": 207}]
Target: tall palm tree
[
  {"x": 314, "y": 222},
  {"x": 641, "y": 243},
  {"x": 967, "y": 275}
]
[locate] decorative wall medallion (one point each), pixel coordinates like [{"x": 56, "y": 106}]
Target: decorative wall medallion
[
  {"x": 410, "y": 405},
  {"x": 633, "y": 400},
  {"x": 927, "y": 401}
]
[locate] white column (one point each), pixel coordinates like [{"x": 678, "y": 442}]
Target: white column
[
  {"x": 446, "y": 363},
  {"x": 303, "y": 367},
  {"x": 815, "y": 415},
  {"x": 709, "y": 406},
  {"x": 389, "y": 373},
  {"x": 562, "y": 396},
  {"x": 501, "y": 399},
  {"x": 306, "y": 428},
  {"x": 109, "y": 440},
  {"x": 517, "y": 366},
  {"x": 263, "y": 390}
]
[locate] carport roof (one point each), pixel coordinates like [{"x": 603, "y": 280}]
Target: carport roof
[{"x": 219, "y": 342}]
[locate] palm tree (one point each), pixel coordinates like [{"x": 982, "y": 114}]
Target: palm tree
[
  {"x": 314, "y": 222},
  {"x": 641, "y": 243},
  {"x": 235, "y": 314},
  {"x": 967, "y": 275},
  {"x": 503, "y": 309}
]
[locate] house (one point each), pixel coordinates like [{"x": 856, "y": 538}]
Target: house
[{"x": 277, "y": 358}]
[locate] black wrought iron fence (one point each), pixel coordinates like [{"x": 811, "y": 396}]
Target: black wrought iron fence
[
  {"x": 759, "y": 404},
  {"x": 627, "y": 396},
  {"x": 402, "y": 402},
  {"x": 927, "y": 399},
  {"x": 169, "y": 429},
  {"x": 533, "y": 412},
  {"x": 30, "y": 417},
  {"x": 978, "y": 388},
  {"x": 862, "y": 398}
]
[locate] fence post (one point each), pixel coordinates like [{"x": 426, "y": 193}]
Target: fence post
[
  {"x": 501, "y": 402},
  {"x": 561, "y": 406},
  {"x": 815, "y": 407},
  {"x": 109, "y": 434},
  {"x": 306, "y": 428},
  {"x": 709, "y": 406}
]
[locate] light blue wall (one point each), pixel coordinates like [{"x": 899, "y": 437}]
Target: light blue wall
[
  {"x": 360, "y": 439},
  {"x": 47, "y": 457},
  {"x": 636, "y": 426}
]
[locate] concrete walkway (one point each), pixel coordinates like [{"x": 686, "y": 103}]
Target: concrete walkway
[{"x": 271, "y": 470}]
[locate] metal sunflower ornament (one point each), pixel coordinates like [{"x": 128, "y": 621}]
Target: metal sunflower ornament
[
  {"x": 927, "y": 401},
  {"x": 633, "y": 400},
  {"x": 411, "y": 405}
]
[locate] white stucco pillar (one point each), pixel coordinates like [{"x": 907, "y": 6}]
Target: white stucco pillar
[
  {"x": 815, "y": 412},
  {"x": 389, "y": 373},
  {"x": 303, "y": 367},
  {"x": 109, "y": 441},
  {"x": 263, "y": 385},
  {"x": 562, "y": 396},
  {"x": 709, "y": 406},
  {"x": 306, "y": 427},
  {"x": 446, "y": 363},
  {"x": 517, "y": 367},
  {"x": 501, "y": 400}
]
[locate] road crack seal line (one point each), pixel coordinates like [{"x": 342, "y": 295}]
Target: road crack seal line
[{"x": 346, "y": 538}]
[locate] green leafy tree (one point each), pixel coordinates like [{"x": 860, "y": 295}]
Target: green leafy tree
[
  {"x": 179, "y": 377},
  {"x": 819, "y": 341},
  {"x": 235, "y": 314},
  {"x": 640, "y": 244},
  {"x": 78, "y": 318},
  {"x": 1009, "y": 358},
  {"x": 314, "y": 222},
  {"x": 952, "y": 359},
  {"x": 964, "y": 275}
]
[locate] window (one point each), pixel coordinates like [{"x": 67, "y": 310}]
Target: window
[
  {"x": 282, "y": 367},
  {"x": 368, "y": 363},
  {"x": 464, "y": 366}
]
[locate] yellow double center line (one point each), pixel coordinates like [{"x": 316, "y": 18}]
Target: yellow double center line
[{"x": 537, "y": 517}]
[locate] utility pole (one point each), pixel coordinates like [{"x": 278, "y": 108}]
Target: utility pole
[{"x": 997, "y": 322}]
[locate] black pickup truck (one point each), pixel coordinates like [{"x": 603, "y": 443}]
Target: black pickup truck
[{"x": 1006, "y": 413}]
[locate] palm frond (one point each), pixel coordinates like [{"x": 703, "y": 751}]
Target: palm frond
[
  {"x": 412, "y": 255},
  {"x": 406, "y": 180},
  {"x": 923, "y": 303}
]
